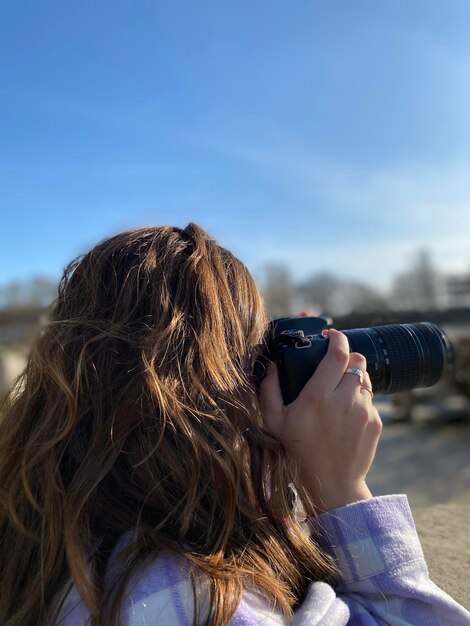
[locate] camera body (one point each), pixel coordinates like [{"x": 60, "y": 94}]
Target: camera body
[{"x": 399, "y": 356}]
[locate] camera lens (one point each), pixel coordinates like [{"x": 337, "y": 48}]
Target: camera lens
[{"x": 402, "y": 356}]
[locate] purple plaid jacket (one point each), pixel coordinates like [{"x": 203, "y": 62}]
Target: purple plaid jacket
[{"x": 384, "y": 580}]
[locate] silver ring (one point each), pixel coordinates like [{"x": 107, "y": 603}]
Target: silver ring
[
  {"x": 368, "y": 389},
  {"x": 356, "y": 372}
]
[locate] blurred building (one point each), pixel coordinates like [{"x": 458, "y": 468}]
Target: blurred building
[
  {"x": 457, "y": 291},
  {"x": 20, "y": 325}
]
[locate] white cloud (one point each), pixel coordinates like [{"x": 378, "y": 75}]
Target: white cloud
[{"x": 403, "y": 208}]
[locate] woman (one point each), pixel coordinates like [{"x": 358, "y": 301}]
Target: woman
[{"x": 143, "y": 481}]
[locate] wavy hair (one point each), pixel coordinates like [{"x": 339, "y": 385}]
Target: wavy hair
[{"x": 137, "y": 413}]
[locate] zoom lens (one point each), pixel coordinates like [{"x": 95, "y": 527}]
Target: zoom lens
[{"x": 402, "y": 356}]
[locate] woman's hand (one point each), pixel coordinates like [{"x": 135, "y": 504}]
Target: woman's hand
[{"x": 332, "y": 427}]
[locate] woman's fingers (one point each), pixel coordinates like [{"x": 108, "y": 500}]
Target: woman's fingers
[
  {"x": 352, "y": 382},
  {"x": 331, "y": 368},
  {"x": 366, "y": 387}
]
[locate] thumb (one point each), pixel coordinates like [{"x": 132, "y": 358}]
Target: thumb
[{"x": 271, "y": 401}]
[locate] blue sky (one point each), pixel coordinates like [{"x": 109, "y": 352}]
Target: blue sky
[{"x": 326, "y": 135}]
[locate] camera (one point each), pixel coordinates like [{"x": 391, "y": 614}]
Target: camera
[{"x": 399, "y": 356}]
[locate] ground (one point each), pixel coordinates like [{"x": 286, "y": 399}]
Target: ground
[
  {"x": 445, "y": 537},
  {"x": 429, "y": 460}
]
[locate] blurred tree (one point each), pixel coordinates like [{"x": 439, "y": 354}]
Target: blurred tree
[
  {"x": 417, "y": 287},
  {"x": 330, "y": 295},
  {"x": 278, "y": 290},
  {"x": 359, "y": 297},
  {"x": 38, "y": 291},
  {"x": 319, "y": 292},
  {"x": 11, "y": 294}
]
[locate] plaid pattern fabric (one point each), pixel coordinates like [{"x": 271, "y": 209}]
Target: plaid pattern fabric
[
  {"x": 384, "y": 577},
  {"x": 384, "y": 580}
]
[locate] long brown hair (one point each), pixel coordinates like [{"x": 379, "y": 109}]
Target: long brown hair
[{"x": 137, "y": 413}]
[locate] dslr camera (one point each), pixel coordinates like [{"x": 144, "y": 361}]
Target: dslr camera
[{"x": 399, "y": 356}]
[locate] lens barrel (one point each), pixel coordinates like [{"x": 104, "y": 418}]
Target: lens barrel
[{"x": 402, "y": 356}]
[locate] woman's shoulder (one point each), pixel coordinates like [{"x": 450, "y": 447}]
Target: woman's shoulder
[
  {"x": 158, "y": 591},
  {"x": 161, "y": 592}
]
